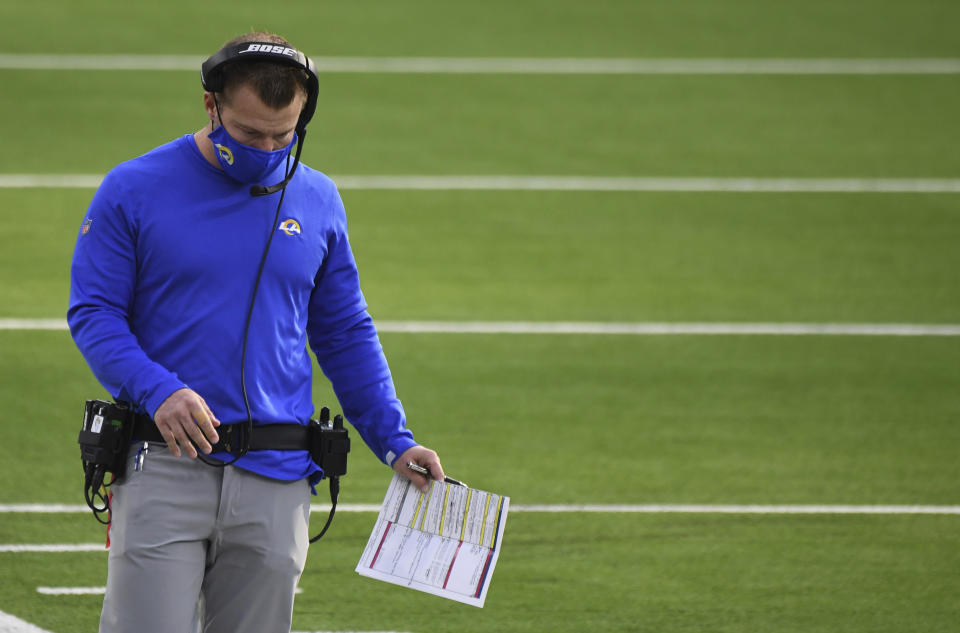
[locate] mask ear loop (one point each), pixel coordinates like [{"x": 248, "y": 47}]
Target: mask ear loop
[{"x": 216, "y": 102}]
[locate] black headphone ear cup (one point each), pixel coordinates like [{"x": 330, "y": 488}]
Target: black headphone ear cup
[{"x": 313, "y": 93}]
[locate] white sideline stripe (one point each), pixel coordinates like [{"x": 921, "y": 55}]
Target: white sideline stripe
[
  {"x": 566, "y": 183},
  {"x": 533, "y": 508},
  {"x": 13, "y": 624},
  {"x": 586, "y": 328},
  {"x": 517, "y": 65}
]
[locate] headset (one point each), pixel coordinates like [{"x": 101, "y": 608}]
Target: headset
[{"x": 211, "y": 77}]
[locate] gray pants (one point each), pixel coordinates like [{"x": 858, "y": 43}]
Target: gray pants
[{"x": 185, "y": 533}]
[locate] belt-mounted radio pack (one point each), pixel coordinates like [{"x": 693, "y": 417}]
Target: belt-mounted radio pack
[
  {"x": 104, "y": 440},
  {"x": 329, "y": 445},
  {"x": 109, "y": 428}
]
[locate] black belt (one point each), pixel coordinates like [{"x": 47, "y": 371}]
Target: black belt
[{"x": 276, "y": 437}]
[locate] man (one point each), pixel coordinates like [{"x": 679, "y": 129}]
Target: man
[{"x": 194, "y": 298}]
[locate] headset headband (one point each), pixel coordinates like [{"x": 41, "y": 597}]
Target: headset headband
[{"x": 211, "y": 72}]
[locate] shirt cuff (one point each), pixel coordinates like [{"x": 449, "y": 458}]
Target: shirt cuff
[{"x": 396, "y": 448}]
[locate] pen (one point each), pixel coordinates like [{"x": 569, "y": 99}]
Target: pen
[{"x": 423, "y": 471}]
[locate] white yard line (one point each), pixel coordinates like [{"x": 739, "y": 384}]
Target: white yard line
[
  {"x": 600, "y": 328},
  {"x": 516, "y": 65},
  {"x": 651, "y": 184},
  {"x": 737, "y": 509},
  {"x": 535, "y": 508},
  {"x": 50, "y": 181},
  {"x": 51, "y": 548},
  {"x": 72, "y": 591},
  {"x": 88, "y": 591},
  {"x": 662, "y": 329},
  {"x": 566, "y": 183},
  {"x": 33, "y": 324},
  {"x": 64, "y": 508},
  {"x": 42, "y": 508}
]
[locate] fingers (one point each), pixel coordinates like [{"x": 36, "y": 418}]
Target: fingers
[
  {"x": 200, "y": 428},
  {"x": 170, "y": 439},
  {"x": 433, "y": 465},
  {"x": 186, "y": 422},
  {"x": 424, "y": 457},
  {"x": 213, "y": 419}
]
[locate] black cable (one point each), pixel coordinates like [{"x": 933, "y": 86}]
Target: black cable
[
  {"x": 248, "y": 423},
  {"x": 334, "y": 495},
  {"x": 93, "y": 483}
]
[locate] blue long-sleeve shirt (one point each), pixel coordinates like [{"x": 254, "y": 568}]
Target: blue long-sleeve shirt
[{"x": 161, "y": 281}]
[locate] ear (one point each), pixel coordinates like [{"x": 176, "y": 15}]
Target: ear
[{"x": 210, "y": 106}]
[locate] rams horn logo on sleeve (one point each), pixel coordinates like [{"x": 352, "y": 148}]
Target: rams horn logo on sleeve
[{"x": 290, "y": 227}]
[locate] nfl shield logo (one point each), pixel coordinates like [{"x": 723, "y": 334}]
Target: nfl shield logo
[{"x": 86, "y": 226}]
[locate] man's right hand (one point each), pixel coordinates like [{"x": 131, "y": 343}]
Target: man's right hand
[{"x": 185, "y": 416}]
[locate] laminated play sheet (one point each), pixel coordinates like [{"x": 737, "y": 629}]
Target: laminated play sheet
[{"x": 445, "y": 542}]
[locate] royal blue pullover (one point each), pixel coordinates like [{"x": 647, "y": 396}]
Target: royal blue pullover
[{"x": 161, "y": 282}]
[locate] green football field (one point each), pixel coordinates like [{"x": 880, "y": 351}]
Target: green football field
[{"x": 732, "y": 434}]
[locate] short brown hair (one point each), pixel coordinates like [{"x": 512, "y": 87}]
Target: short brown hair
[{"x": 275, "y": 84}]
